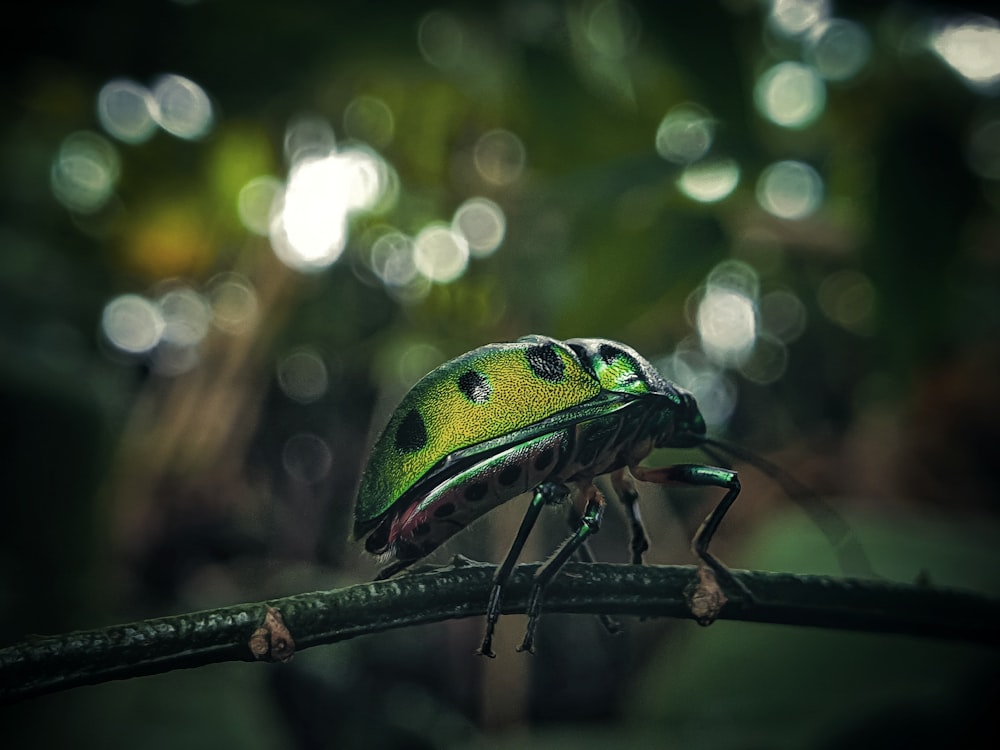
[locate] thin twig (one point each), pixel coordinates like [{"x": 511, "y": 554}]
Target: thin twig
[{"x": 258, "y": 631}]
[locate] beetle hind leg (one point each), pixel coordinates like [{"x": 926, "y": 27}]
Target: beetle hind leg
[
  {"x": 584, "y": 554},
  {"x": 624, "y": 487},
  {"x": 548, "y": 493},
  {"x": 590, "y": 523}
]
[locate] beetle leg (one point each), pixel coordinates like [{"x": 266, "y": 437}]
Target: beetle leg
[
  {"x": 707, "y": 599},
  {"x": 624, "y": 487},
  {"x": 585, "y": 554},
  {"x": 545, "y": 494},
  {"x": 590, "y": 523}
]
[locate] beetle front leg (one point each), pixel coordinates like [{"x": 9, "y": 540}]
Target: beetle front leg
[
  {"x": 545, "y": 494},
  {"x": 707, "y": 599}
]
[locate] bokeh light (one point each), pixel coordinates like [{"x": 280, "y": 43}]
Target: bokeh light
[
  {"x": 499, "y": 157},
  {"x": 685, "y": 134},
  {"x": 440, "y": 253},
  {"x": 171, "y": 360},
  {"x": 186, "y": 316},
  {"x": 725, "y": 316},
  {"x": 170, "y": 325},
  {"x": 369, "y": 119},
  {"x": 367, "y": 175},
  {"x": 971, "y": 47},
  {"x": 726, "y": 324},
  {"x": 84, "y": 172},
  {"x": 782, "y": 315},
  {"x": 710, "y": 180},
  {"x": 302, "y": 376},
  {"x": 838, "y": 49},
  {"x": 723, "y": 311},
  {"x": 794, "y": 17},
  {"x": 790, "y": 94},
  {"x": 308, "y": 137},
  {"x": 234, "y": 303},
  {"x": 737, "y": 329},
  {"x": 306, "y": 457},
  {"x": 401, "y": 363},
  {"x": 132, "y": 323},
  {"x": 790, "y": 190},
  {"x": 125, "y": 110},
  {"x": 441, "y": 39},
  {"x": 256, "y": 203},
  {"x": 392, "y": 258},
  {"x": 309, "y": 231},
  {"x": 767, "y": 362},
  {"x": 482, "y": 223},
  {"x": 712, "y": 388},
  {"x": 182, "y": 107},
  {"x": 848, "y": 299},
  {"x": 613, "y": 28},
  {"x": 735, "y": 275}
]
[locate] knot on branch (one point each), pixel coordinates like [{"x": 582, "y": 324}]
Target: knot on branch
[
  {"x": 705, "y": 598},
  {"x": 272, "y": 641}
]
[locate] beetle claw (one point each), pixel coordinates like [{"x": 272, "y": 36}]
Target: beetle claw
[{"x": 527, "y": 647}]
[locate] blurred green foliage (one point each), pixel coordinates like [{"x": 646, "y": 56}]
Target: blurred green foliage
[{"x": 183, "y": 475}]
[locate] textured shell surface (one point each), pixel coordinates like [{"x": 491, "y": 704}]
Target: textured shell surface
[{"x": 484, "y": 394}]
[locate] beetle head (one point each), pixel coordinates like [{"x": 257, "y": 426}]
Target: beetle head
[{"x": 689, "y": 424}]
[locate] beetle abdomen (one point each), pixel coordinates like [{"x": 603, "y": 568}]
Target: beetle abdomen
[{"x": 471, "y": 493}]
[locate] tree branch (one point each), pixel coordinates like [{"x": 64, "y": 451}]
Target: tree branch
[{"x": 256, "y": 631}]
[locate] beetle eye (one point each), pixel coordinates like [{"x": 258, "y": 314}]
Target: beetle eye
[{"x": 692, "y": 414}]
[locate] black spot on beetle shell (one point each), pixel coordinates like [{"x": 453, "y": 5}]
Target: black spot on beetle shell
[
  {"x": 509, "y": 475},
  {"x": 543, "y": 459},
  {"x": 545, "y": 362},
  {"x": 411, "y": 435},
  {"x": 443, "y": 511},
  {"x": 476, "y": 492},
  {"x": 609, "y": 353},
  {"x": 475, "y": 387}
]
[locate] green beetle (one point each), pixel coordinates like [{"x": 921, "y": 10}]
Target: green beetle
[{"x": 536, "y": 415}]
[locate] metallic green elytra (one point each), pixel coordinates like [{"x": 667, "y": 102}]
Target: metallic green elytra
[{"x": 488, "y": 393}]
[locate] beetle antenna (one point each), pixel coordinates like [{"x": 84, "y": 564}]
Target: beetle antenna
[{"x": 850, "y": 554}]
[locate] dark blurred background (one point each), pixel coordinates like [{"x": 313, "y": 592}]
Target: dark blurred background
[{"x": 234, "y": 233}]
